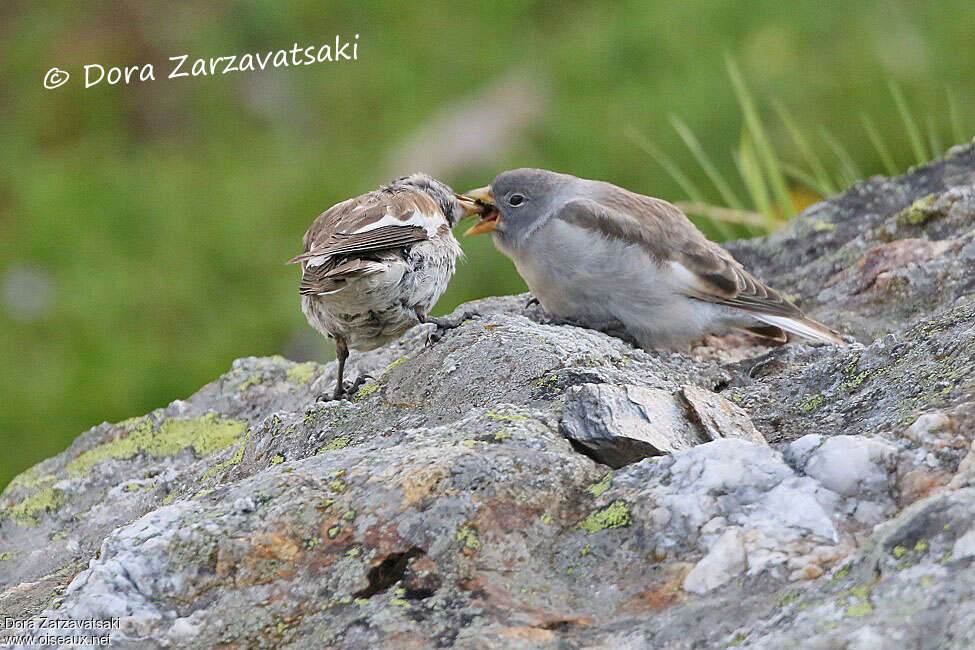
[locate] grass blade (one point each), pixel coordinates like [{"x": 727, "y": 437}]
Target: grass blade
[
  {"x": 878, "y": 144},
  {"x": 823, "y": 185},
  {"x": 910, "y": 125},
  {"x": 850, "y": 173},
  {"x": 954, "y": 116},
  {"x": 720, "y": 213},
  {"x": 727, "y": 195},
  {"x": 805, "y": 178},
  {"x": 751, "y": 174},
  {"x": 933, "y": 138},
  {"x": 761, "y": 144},
  {"x": 692, "y": 191}
]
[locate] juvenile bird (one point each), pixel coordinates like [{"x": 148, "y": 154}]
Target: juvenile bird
[
  {"x": 373, "y": 266},
  {"x": 596, "y": 253}
]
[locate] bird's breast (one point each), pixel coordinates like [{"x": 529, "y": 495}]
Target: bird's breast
[{"x": 578, "y": 273}]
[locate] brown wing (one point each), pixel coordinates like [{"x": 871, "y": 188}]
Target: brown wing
[
  {"x": 348, "y": 241},
  {"x": 317, "y": 280},
  {"x": 379, "y": 239},
  {"x": 669, "y": 236}
]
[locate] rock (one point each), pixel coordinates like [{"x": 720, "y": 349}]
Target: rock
[
  {"x": 622, "y": 425},
  {"x": 964, "y": 547},
  {"x": 619, "y": 425},
  {"x": 852, "y": 466},
  {"x": 447, "y": 504},
  {"x": 724, "y": 561},
  {"x": 718, "y": 417}
]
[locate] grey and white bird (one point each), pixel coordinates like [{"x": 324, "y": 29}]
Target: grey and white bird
[
  {"x": 373, "y": 266},
  {"x": 595, "y": 253}
]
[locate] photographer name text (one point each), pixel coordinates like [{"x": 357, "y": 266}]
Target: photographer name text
[{"x": 182, "y": 65}]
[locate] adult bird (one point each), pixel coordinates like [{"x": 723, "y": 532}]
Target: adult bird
[
  {"x": 596, "y": 253},
  {"x": 373, "y": 266}
]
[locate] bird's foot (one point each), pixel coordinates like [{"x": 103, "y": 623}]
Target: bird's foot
[
  {"x": 531, "y": 303},
  {"x": 345, "y": 390},
  {"x": 444, "y": 324}
]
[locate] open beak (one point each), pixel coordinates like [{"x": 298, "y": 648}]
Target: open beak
[{"x": 486, "y": 208}]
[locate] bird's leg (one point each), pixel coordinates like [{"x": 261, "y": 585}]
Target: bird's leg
[
  {"x": 342, "y": 353},
  {"x": 444, "y": 324}
]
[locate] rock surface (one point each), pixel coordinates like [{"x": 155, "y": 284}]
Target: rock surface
[{"x": 445, "y": 507}]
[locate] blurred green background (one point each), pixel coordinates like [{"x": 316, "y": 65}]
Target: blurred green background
[{"x": 143, "y": 227}]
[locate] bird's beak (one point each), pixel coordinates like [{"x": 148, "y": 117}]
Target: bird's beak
[
  {"x": 486, "y": 208},
  {"x": 471, "y": 206}
]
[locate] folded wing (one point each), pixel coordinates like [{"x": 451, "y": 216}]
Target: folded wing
[
  {"x": 709, "y": 273},
  {"x": 362, "y": 236}
]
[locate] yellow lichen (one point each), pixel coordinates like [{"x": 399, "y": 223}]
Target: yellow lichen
[
  {"x": 28, "y": 512},
  {"x": 918, "y": 212},
  {"x": 395, "y": 364},
  {"x": 366, "y": 391},
  {"x": 234, "y": 460},
  {"x": 505, "y": 417},
  {"x": 467, "y": 535},
  {"x": 338, "y": 443},
  {"x": 812, "y": 404},
  {"x": 32, "y": 478},
  {"x": 206, "y": 435},
  {"x": 598, "y": 488},
  {"x": 301, "y": 373},
  {"x": 615, "y": 515},
  {"x": 253, "y": 380}
]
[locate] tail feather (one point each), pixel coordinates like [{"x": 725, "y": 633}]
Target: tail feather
[{"x": 804, "y": 327}]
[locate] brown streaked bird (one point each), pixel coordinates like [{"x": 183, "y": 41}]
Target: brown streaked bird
[
  {"x": 373, "y": 266},
  {"x": 595, "y": 253}
]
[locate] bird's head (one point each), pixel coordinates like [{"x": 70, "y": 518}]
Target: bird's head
[
  {"x": 453, "y": 206},
  {"x": 523, "y": 200}
]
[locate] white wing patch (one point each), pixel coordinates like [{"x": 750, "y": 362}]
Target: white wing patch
[{"x": 428, "y": 222}]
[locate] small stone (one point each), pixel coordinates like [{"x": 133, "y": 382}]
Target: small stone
[
  {"x": 964, "y": 547},
  {"x": 852, "y": 466},
  {"x": 724, "y": 561},
  {"x": 718, "y": 417},
  {"x": 623, "y": 425},
  {"x": 926, "y": 425}
]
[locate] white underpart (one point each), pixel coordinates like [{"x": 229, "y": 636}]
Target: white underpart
[
  {"x": 578, "y": 274},
  {"x": 375, "y": 308}
]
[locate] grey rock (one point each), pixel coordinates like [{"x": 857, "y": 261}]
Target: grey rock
[
  {"x": 718, "y": 417},
  {"x": 445, "y": 507},
  {"x": 619, "y": 425},
  {"x": 724, "y": 561}
]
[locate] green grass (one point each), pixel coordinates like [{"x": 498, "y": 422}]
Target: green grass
[
  {"x": 162, "y": 213},
  {"x": 771, "y": 183}
]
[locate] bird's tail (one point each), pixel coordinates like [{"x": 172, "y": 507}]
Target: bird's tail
[{"x": 803, "y": 326}]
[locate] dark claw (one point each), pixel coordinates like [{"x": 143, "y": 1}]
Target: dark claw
[
  {"x": 532, "y": 302},
  {"x": 445, "y": 324},
  {"x": 346, "y": 390},
  {"x": 353, "y": 388}
]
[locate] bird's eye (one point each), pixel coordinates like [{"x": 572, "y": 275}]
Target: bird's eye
[{"x": 516, "y": 199}]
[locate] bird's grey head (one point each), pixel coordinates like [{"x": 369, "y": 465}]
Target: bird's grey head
[
  {"x": 527, "y": 198},
  {"x": 442, "y": 195}
]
